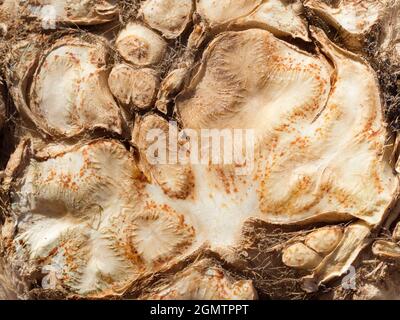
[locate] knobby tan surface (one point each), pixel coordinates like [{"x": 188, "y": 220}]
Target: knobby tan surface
[{"x": 84, "y": 213}]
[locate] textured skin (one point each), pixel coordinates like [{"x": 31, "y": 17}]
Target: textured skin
[{"x": 88, "y": 214}]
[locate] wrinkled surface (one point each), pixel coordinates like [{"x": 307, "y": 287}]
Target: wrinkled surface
[
  {"x": 170, "y": 17},
  {"x": 92, "y": 213},
  {"x": 301, "y": 110},
  {"x": 176, "y": 180},
  {"x": 93, "y": 202},
  {"x": 203, "y": 281},
  {"x": 386, "y": 249},
  {"x": 134, "y": 87},
  {"x": 69, "y": 93},
  {"x": 353, "y": 19},
  {"x": 140, "y": 45},
  {"x": 87, "y": 220},
  {"x": 280, "y": 16},
  {"x": 220, "y": 12},
  {"x": 81, "y": 98},
  {"x": 86, "y": 12}
]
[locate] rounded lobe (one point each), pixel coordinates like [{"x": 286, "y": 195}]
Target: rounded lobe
[
  {"x": 154, "y": 138},
  {"x": 140, "y": 45},
  {"x": 203, "y": 280},
  {"x": 386, "y": 249},
  {"x": 134, "y": 87},
  {"x": 300, "y": 256},
  {"x": 324, "y": 240},
  {"x": 69, "y": 93},
  {"x": 224, "y": 11},
  {"x": 170, "y": 17},
  {"x": 79, "y": 12}
]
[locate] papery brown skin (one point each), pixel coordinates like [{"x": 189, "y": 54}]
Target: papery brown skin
[{"x": 86, "y": 214}]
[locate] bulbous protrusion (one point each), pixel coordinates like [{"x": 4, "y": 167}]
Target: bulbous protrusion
[
  {"x": 102, "y": 202},
  {"x": 300, "y": 256},
  {"x": 136, "y": 88},
  {"x": 386, "y": 249},
  {"x": 140, "y": 45},
  {"x": 89, "y": 222},
  {"x": 280, "y": 17},
  {"x": 68, "y": 93},
  {"x": 72, "y": 11},
  {"x": 324, "y": 240},
  {"x": 170, "y": 17},
  {"x": 203, "y": 280},
  {"x": 354, "y": 20},
  {"x": 153, "y": 137}
]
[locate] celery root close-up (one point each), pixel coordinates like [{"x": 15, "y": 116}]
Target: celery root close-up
[{"x": 105, "y": 193}]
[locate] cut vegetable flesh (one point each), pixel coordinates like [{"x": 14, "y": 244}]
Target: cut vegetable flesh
[
  {"x": 86, "y": 218},
  {"x": 134, "y": 87},
  {"x": 167, "y": 16},
  {"x": 70, "y": 93},
  {"x": 353, "y": 19},
  {"x": 282, "y": 17},
  {"x": 220, "y": 12},
  {"x": 88, "y": 215},
  {"x": 82, "y": 12},
  {"x": 318, "y": 128},
  {"x": 203, "y": 281},
  {"x": 140, "y": 45}
]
